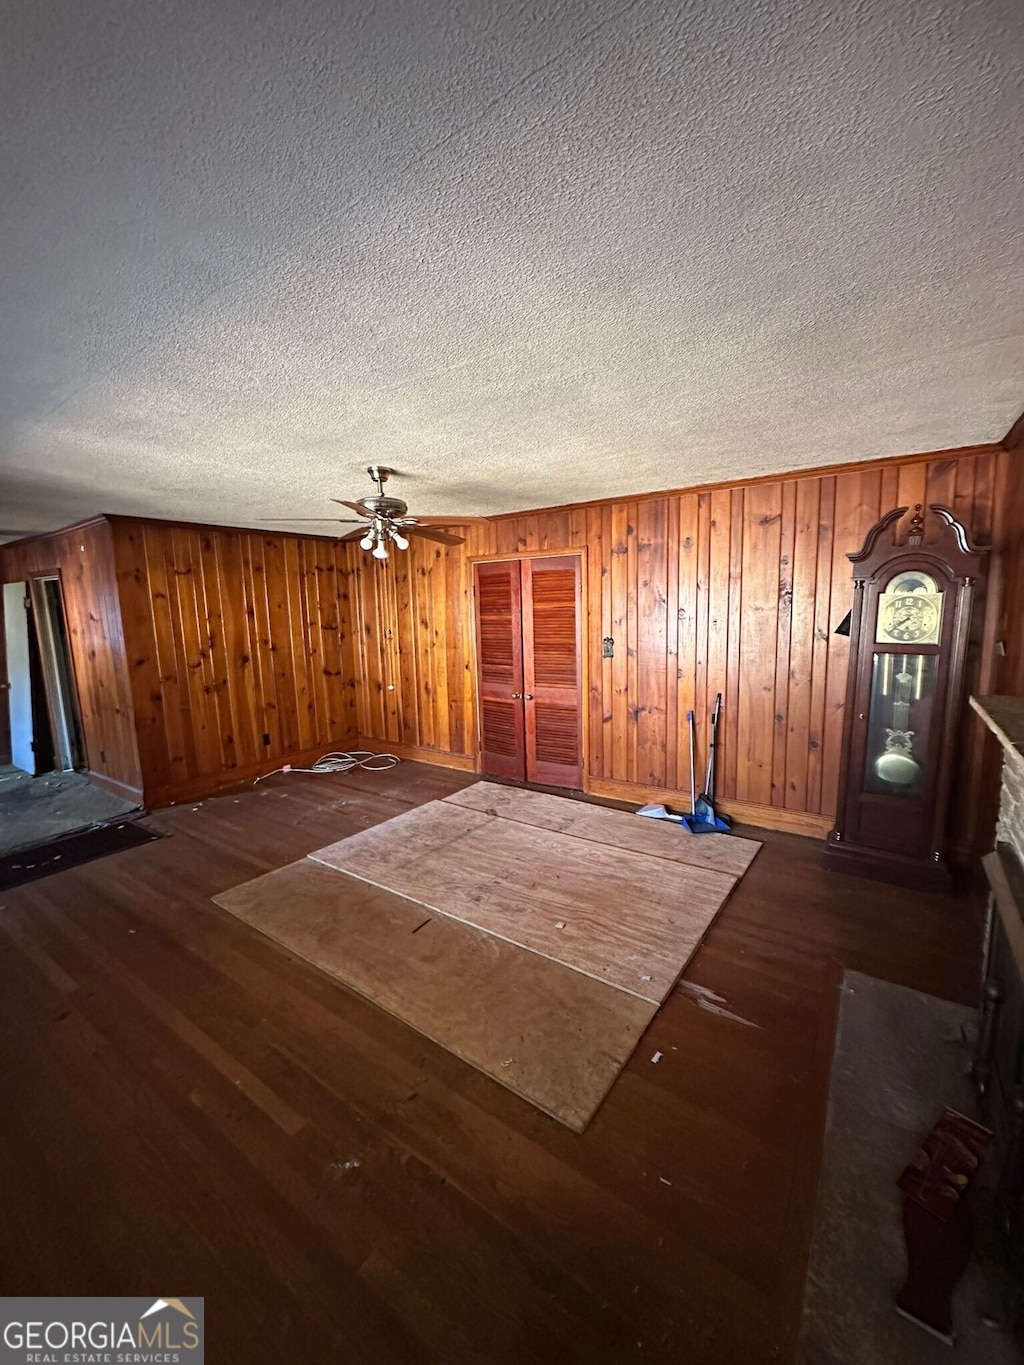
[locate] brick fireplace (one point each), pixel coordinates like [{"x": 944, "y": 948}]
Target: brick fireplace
[{"x": 999, "y": 1061}]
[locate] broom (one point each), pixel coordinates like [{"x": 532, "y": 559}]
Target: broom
[{"x": 705, "y": 820}]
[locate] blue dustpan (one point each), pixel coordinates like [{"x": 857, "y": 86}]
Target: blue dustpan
[
  {"x": 705, "y": 820},
  {"x": 696, "y": 824}
]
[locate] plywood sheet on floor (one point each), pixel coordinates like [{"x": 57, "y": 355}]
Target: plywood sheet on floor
[
  {"x": 623, "y": 917},
  {"x": 614, "y": 828},
  {"x": 556, "y": 1037}
]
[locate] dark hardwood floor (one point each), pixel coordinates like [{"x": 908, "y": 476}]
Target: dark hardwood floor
[{"x": 188, "y": 1110}]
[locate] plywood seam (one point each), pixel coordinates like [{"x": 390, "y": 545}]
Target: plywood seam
[
  {"x": 590, "y": 839},
  {"x": 504, "y": 938}
]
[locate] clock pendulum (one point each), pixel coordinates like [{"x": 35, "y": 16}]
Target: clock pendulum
[{"x": 896, "y": 764}]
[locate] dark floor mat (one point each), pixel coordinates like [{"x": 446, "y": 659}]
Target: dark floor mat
[{"x": 29, "y": 864}]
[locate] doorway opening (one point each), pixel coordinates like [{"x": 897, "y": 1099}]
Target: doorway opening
[
  {"x": 42, "y": 796},
  {"x": 43, "y": 716},
  {"x": 59, "y": 690}
]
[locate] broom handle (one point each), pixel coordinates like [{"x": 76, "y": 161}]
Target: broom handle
[
  {"x": 710, "y": 779},
  {"x": 693, "y": 787},
  {"x": 711, "y": 759}
]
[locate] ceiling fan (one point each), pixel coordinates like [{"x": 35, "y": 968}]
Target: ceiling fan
[{"x": 384, "y": 520}]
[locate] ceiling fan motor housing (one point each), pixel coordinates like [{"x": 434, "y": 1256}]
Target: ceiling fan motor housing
[{"x": 384, "y": 507}]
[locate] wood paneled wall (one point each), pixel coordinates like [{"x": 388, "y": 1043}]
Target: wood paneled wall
[
  {"x": 192, "y": 643},
  {"x": 1010, "y": 666},
  {"x": 734, "y": 589},
  {"x": 84, "y": 557},
  {"x": 233, "y": 636},
  {"x": 413, "y": 628}
]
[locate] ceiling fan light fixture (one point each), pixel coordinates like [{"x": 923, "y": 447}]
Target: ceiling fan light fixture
[
  {"x": 367, "y": 541},
  {"x": 380, "y": 550},
  {"x": 400, "y": 540}
]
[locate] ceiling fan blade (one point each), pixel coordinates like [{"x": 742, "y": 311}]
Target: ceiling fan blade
[
  {"x": 334, "y": 521},
  {"x": 352, "y": 506},
  {"x": 432, "y": 533},
  {"x": 448, "y": 521},
  {"x": 357, "y": 534}
]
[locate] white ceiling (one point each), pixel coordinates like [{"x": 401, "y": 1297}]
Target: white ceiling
[{"x": 528, "y": 253}]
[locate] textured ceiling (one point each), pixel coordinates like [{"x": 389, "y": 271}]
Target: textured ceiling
[{"x": 527, "y": 253}]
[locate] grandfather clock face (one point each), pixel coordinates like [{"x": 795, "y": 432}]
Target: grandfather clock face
[{"x": 909, "y": 610}]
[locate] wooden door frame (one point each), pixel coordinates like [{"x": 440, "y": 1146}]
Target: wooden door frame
[
  {"x": 582, "y": 554},
  {"x": 62, "y": 709}
]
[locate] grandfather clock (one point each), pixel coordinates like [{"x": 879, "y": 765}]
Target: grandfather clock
[{"x": 908, "y": 638}]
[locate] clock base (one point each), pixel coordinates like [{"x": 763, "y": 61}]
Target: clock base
[{"x": 880, "y": 866}]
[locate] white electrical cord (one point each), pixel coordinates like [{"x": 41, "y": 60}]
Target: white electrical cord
[{"x": 342, "y": 763}]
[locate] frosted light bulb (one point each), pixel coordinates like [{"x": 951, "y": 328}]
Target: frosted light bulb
[
  {"x": 367, "y": 541},
  {"x": 380, "y": 550},
  {"x": 400, "y": 540}
]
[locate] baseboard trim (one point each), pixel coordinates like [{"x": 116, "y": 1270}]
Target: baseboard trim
[
  {"x": 110, "y": 784},
  {"x": 745, "y": 812},
  {"x": 442, "y": 758}
]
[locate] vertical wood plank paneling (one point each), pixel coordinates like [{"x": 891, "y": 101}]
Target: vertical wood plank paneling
[
  {"x": 890, "y": 491},
  {"x": 912, "y": 485},
  {"x": 242, "y": 733},
  {"x": 264, "y": 634},
  {"x": 161, "y": 725},
  {"x": 720, "y": 551},
  {"x": 672, "y": 736},
  {"x": 823, "y": 638},
  {"x": 940, "y": 482},
  {"x": 689, "y": 590},
  {"x": 727, "y": 739},
  {"x": 405, "y": 641},
  {"x": 1009, "y": 670},
  {"x": 234, "y": 635},
  {"x": 857, "y": 509},
  {"x": 282, "y": 694},
  {"x": 216, "y": 670},
  {"x": 783, "y": 643},
  {"x": 802, "y": 641},
  {"x": 395, "y": 666},
  {"x": 621, "y": 534},
  {"x": 757, "y": 628},
  {"x": 596, "y": 627},
  {"x": 703, "y": 637},
  {"x": 632, "y": 640},
  {"x": 309, "y": 602},
  {"x": 609, "y": 670},
  {"x": 981, "y": 520},
  {"x": 651, "y": 705}
]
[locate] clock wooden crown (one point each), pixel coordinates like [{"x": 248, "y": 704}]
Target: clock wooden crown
[{"x": 949, "y": 547}]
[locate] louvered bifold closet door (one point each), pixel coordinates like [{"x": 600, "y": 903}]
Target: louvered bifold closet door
[
  {"x": 551, "y": 670},
  {"x": 499, "y": 653}
]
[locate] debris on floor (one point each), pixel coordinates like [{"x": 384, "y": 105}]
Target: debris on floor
[{"x": 37, "y": 810}]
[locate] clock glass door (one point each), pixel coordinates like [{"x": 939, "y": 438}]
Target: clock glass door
[{"x": 899, "y": 721}]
